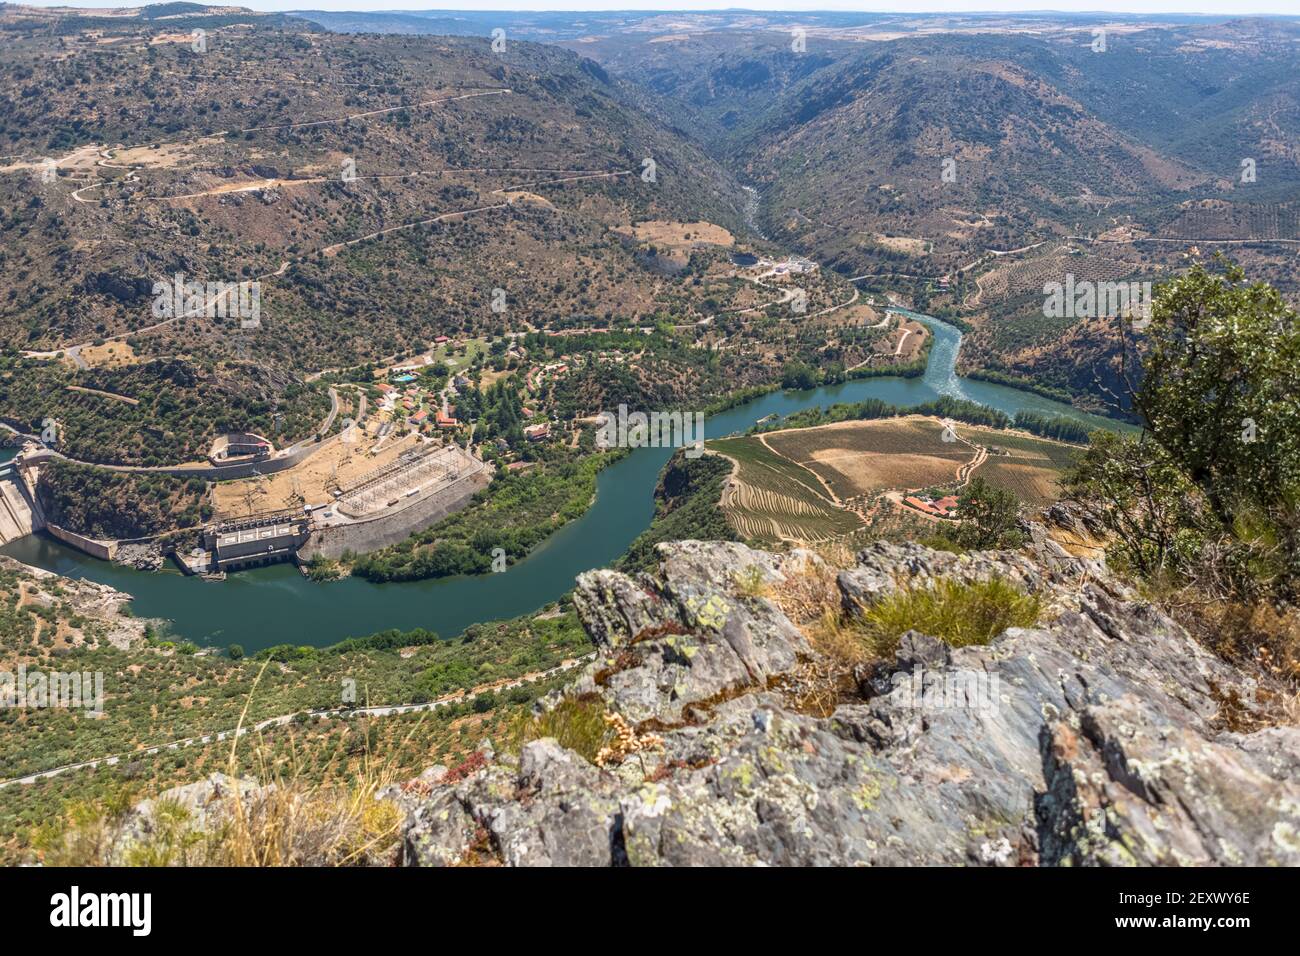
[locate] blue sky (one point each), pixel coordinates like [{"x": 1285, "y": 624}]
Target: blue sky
[{"x": 1234, "y": 8}]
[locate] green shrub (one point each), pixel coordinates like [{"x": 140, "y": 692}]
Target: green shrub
[
  {"x": 577, "y": 723},
  {"x": 960, "y": 614}
]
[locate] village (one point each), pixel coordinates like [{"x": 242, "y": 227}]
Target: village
[{"x": 419, "y": 449}]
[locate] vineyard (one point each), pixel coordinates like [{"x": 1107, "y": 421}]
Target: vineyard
[
  {"x": 772, "y": 500},
  {"x": 1028, "y": 275},
  {"x": 1030, "y": 468},
  {"x": 1216, "y": 219},
  {"x": 860, "y": 458},
  {"x": 776, "y": 496}
]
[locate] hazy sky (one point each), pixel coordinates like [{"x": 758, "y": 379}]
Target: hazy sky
[{"x": 1221, "y": 7}]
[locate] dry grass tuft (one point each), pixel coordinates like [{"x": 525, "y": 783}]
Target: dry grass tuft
[
  {"x": 576, "y": 723},
  {"x": 810, "y": 598}
]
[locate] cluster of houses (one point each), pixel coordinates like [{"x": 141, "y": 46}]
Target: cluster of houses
[
  {"x": 945, "y": 507},
  {"x": 538, "y": 375},
  {"x": 430, "y": 413},
  {"x": 421, "y": 408},
  {"x": 795, "y": 265}
]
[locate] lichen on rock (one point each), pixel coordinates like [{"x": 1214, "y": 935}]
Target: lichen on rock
[{"x": 1099, "y": 746}]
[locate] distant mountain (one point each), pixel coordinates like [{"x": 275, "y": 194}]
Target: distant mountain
[
  {"x": 921, "y": 154},
  {"x": 137, "y": 156}
]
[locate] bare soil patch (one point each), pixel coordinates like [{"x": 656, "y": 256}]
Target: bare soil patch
[
  {"x": 311, "y": 481},
  {"x": 682, "y": 234}
]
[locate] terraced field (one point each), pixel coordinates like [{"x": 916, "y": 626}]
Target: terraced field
[
  {"x": 1032, "y": 467},
  {"x": 863, "y": 457},
  {"x": 1051, "y": 264},
  {"x": 772, "y": 500},
  {"x": 799, "y": 485}
]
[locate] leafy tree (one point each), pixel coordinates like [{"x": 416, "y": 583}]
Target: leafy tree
[
  {"x": 989, "y": 516},
  {"x": 1209, "y": 493},
  {"x": 1144, "y": 501},
  {"x": 799, "y": 375},
  {"x": 1220, "y": 378}
]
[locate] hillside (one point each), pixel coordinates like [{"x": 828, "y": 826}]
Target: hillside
[
  {"x": 158, "y": 692},
  {"x": 180, "y": 144},
  {"x": 189, "y": 249},
  {"x": 724, "y": 723},
  {"x": 933, "y": 161}
]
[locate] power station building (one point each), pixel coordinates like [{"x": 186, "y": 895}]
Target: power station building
[{"x": 256, "y": 541}]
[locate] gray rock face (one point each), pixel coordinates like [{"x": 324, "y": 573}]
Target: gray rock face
[
  {"x": 1092, "y": 738},
  {"x": 1128, "y": 787},
  {"x": 143, "y": 556},
  {"x": 196, "y": 808},
  {"x": 690, "y": 630}
]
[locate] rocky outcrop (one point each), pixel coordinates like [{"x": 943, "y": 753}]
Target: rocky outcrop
[
  {"x": 143, "y": 555},
  {"x": 104, "y": 611},
  {"x": 1096, "y": 737},
  {"x": 180, "y": 825},
  {"x": 1127, "y": 786}
]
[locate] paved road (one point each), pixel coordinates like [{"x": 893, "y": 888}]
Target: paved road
[
  {"x": 203, "y": 468},
  {"x": 284, "y": 719}
]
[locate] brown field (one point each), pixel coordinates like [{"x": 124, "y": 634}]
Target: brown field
[
  {"x": 858, "y": 314},
  {"x": 311, "y": 481},
  {"x": 79, "y": 161},
  {"x": 1030, "y": 466},
  {"x": 904, "y": 244},
  {"x": 816, "y": 485},
  {"x": 162, "y": 155},
  {"x": 171, "y": 38},
  {"x": 108, "y": 355},
  {"x": 907, "y": 341},
  {"x": 861, "y": 458},
  {"x": 525, "y": 196},
  {"x": 674, "y": 234}
]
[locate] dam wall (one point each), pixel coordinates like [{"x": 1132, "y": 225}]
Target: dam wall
[
  {"x": 20, "y": 515},
  {"x": 361, "y": 537},
  {"x": 104, "y": 550}
]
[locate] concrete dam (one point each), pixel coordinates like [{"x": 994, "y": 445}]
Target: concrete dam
[{"x": 20, "y": 515}]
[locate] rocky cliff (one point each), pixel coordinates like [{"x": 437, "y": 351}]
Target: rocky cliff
[{"x": 1104, "y": 735}]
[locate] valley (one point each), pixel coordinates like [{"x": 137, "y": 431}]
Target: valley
[
  {"x": 437, "y": 407},
  {"x": 267, "y": 606}
]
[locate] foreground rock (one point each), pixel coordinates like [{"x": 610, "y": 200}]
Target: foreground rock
[{"x": 1095, "y": 738}]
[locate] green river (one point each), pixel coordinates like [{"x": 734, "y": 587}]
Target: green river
[{"x": 276, "y": 605}]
